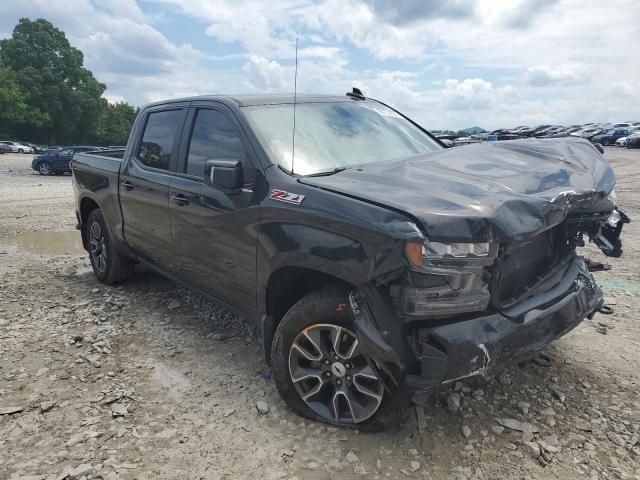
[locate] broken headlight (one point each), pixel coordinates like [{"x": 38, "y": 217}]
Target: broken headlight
[{"x": 451, "y": 278}]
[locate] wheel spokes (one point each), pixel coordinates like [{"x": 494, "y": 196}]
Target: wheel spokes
[
  {"x": 332, "y": 376},
  {"x": 96, "y": 231},
  {"x": 344, "y": 342},
  {"x": 356, "y": 410},
  {"x": 307, "y": 347}
]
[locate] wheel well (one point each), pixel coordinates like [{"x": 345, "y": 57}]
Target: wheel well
[
  {"x": 86, "y": 206},
  {"x": 289, "y": 284}
]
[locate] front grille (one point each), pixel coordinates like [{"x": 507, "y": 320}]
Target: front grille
[{"x": 522, "y": 265}]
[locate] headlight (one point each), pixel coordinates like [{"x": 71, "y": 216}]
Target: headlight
[
  {"x": 440, "y": 250},
  {"x": 450, "y": 278},
  {"x": 419, "y": 253}
]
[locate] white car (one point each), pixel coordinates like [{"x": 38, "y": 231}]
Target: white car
[
  {"x": 621, "y": 142},
  {"x": 17, "y": 147}
]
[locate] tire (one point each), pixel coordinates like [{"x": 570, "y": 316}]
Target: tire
[
  {"x": 341, "y": 377},
  {"x": 45, "y": 169},
  {"x": 605, "y": 142},
  {"x": 20, "y": 150},
  {"x": 109, "y": 266}
]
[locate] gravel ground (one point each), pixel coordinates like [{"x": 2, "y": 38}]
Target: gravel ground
[{"x": 145, "y": 380}]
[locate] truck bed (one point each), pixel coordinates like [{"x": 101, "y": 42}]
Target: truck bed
[
  {"x": 98, "y": 173},
  {"x": 108, "y": 160}
]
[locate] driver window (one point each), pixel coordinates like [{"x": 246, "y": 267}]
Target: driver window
[{"x": 214, "y": 137}]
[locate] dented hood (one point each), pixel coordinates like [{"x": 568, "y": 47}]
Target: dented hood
[{"x": 508, "y": 190}]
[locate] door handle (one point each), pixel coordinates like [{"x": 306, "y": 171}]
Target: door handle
[
  {"x": 128, "y": 185},
  {"x": 180, "y": 199}
]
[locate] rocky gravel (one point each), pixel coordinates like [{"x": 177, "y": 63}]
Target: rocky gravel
[{"x": 147, "y": 380}]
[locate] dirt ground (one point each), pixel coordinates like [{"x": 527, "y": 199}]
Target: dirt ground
[{"x": 145, "y": 380}]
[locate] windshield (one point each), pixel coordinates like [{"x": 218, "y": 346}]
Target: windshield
[
  {"x": 337, "y": 135},
  {"x": 66, "y": 152}
]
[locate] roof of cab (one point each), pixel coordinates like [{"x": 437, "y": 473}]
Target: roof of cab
[{"x": 261, "y": 99}]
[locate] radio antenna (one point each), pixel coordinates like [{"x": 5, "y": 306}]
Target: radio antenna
[{"x": 295, "y": 97}]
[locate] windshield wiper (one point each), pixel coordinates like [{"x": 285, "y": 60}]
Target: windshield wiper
[{"x": 326, "y": 173}]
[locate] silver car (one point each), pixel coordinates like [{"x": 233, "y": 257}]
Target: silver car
[{"x": 17, "y": 147}]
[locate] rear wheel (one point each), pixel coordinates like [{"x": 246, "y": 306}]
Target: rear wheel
[
  {"x": 45, "y": 168},
  {"x": 20, "y": 150},
  {"x": 319, "y": 366},
  {"x": 108, "y": 264}
]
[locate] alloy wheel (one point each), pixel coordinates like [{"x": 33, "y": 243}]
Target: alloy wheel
[
  {"x": 98, "y": 247},
  {"x": 44, "y": 168},
  {"x": 332, "y": 376}
]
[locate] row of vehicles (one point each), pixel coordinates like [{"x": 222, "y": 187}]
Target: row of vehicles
[
  {"x": 7, "y": 146},
  {"x": 597, "y": 133}
]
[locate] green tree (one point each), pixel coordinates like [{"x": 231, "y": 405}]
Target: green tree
[
  {"x": 114, "y": 125},
  {"x": 50, "y": 74},
  {"x": 14, "y": 111}
]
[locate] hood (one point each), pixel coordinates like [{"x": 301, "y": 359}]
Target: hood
[{"x": 509, "y": 190}]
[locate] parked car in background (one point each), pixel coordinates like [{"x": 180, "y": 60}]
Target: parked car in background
[
  {"x": 17, "y": 147},
  {"x": 5, "y": 148},
  {"x": 621, "y": 142},
  {"x": 588, "y": 132},
  {"x": 633, "y": 140},
  {"x": 611, "y": 136},
  {"x": 58, "y": 162},
  {"x": 37, "y": 148},
  {"x": 52, "y": 149}
]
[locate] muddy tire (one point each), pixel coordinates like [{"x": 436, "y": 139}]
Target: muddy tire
[
  {"x": 318, "y": 366},
  {"x": 108, "y": 264}
]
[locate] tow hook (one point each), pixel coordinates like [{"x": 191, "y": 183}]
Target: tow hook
[
  {"x": 597, "y": 266},
  {"x": 605, "y": 309}
]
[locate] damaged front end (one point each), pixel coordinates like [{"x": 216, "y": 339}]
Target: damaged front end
[{"x": 466, "y": 309}]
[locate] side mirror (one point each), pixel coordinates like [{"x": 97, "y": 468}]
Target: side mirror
[{"x": 225, "y": 175}]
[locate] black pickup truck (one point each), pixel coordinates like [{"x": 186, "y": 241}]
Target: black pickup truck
[{"x": 377, "y": 262}]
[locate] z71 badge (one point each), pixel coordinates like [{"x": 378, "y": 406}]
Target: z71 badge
[{"x": 287, "y": 197}]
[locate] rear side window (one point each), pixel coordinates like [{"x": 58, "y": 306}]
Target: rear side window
[
  {"x": 214, "y": 137},
  {"x": 158, "y": 137}
]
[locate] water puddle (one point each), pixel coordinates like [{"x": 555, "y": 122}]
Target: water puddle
[
  {"x": 620, "y": 284},
  {"x": 43, "y": 243}
]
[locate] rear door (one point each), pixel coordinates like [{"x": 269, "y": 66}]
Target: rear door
[
  {"x": 214, "y": 233},
  {"x": 144, "y": 184}
]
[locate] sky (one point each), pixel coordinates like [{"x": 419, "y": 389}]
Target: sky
[{"x": 447, "y": 64}]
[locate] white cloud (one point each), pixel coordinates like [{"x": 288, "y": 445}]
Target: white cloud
[
  {"x": 558, "y": 75},
  {"x": 446, "y": 63}
]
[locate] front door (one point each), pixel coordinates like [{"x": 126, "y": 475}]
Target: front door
[
  {"x": 144, "y": 185},
  {"x": 61, "y": 160},
  {"x": 214, "y": 233}
]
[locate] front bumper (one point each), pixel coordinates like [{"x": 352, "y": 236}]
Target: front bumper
[{"x": 422, "y": 355}]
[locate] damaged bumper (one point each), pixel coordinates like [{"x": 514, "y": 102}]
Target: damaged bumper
[{"x": 423, "y": 354}]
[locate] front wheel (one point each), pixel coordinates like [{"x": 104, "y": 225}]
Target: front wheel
[
  {"x": 45, "y": 168},
  {"x": 108, "y": 264},
  {"x": 605, "y": 142},
  {"x": 319, "y": 366}
]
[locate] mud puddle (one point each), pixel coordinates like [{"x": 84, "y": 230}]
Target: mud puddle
[{"x": 43, "y": 243}]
